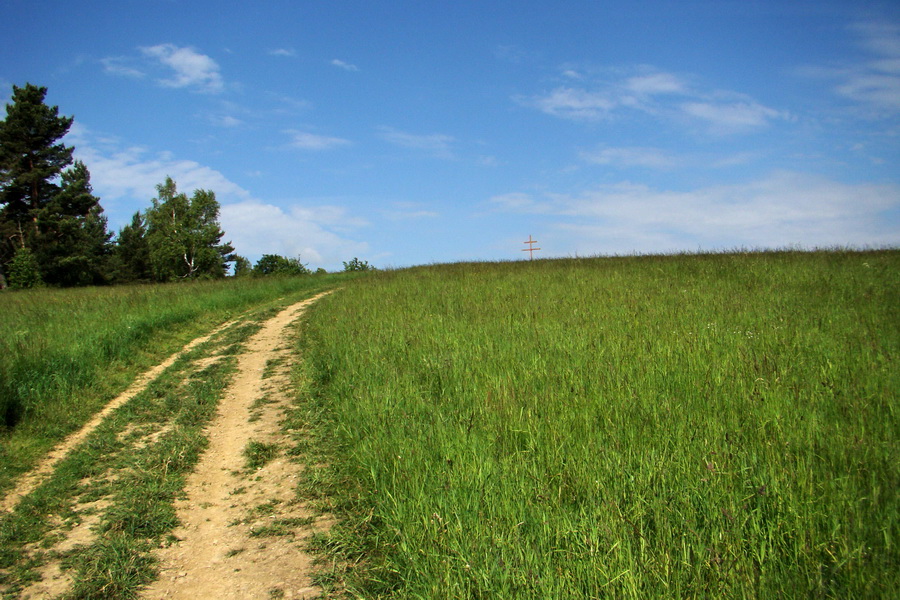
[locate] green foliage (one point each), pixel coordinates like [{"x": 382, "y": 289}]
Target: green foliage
[
  {"x": 131, "y": 256},
  {"x": 357, "y": 265},
  {"x": 24, "y": 271},
  {"x": 273, "y": 264},
  {"x": 30, "y": 155},
  {"x": 719, "y": 426},
  {"x": 184, "y": 236},
  {"x": 257, "y": 454},
  {"x": 43, "y": 205},
  {"x": 242, "y": 266},
  {"x": 73, "y": 244}
]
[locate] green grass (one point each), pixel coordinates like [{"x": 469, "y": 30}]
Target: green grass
[
  {"x": 259, "y": 454},
  {"x": 635, "y": 427},
  {"x": 66, "y": 353},
  {"x": 135, "y": 464}
]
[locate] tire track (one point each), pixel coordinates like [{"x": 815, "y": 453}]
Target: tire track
[
  {"x": 222, "y": 549},
  {"x": 34, "y": 478}
]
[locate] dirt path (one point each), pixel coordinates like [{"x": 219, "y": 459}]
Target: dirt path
[
  {"x": 35, "y": 477},
  {"x": 242, "y": 529},
  {"x": 238, "y": 537}
]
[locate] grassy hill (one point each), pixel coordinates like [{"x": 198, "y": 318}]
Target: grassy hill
[
  {"x": 672, "y": 426},
  {"x": 714, "y": 425}
]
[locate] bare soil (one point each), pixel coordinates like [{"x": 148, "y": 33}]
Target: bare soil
[
  {"x": 221, "y": 553},
  {"x": 242, "y": 530}
]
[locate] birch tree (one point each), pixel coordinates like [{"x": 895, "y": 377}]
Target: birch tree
[{"x": 184, "y": 236}]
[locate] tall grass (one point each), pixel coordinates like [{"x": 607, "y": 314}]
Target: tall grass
[
  {"x": 686, "y": 426},
  {"x": 65, "y": 353}
]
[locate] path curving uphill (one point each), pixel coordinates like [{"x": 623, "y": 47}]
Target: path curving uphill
[
  {"x": 220, "y": 553},
  {"x": 241, "y": 529}
]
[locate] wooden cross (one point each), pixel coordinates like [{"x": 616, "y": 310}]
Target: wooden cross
[{"x": 530, "y": 249}]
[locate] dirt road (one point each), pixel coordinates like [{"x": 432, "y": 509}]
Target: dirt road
[
  {"x": 242, "y": 531},
  {"x": 220, "y": 555}
]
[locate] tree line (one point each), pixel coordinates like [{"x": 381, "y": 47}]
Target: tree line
[{"x": 53, "y": 230}]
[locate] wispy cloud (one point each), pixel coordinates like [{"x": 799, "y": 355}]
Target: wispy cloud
[
  {"x": 286, "y": 52},
  {"x": 289, "y": 105},
  {"x": 652, "y": 158},
  {"x": 656, "y": 83},
  {"x": 344, "y": 65},
  {"x": 436, "y": 144},
  {"x": 781, "y": 209},
  {"x": 871, "y": 82},
  {"x": 875, "y": 82},
  {"x": 403, "y": 211},
  {"x": 576, "y": 104},
  {"x": 655, "y": 93},
  {"x": 311, "y": 141},
  {"x": 122, "y": 66},
  {"x": 191, "y": 68},
  {"x": 225, "y": 121},
  {"x": 732, "y": 116}
]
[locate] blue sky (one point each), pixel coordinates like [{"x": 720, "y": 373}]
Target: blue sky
[{"x": 415, "y": 132}]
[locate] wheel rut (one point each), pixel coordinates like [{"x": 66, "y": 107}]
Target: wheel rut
[
  {"x": 242, "y": 530},
  {"x": 233, "y": 541}
]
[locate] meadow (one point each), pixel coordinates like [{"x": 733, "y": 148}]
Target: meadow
[
  {"x": 720, "y": 425},
  {"x": 65, "y": 353}
]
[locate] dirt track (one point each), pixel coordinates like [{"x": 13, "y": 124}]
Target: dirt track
[
  {"x": 218, "y": 556},
  {"x": 242, "y": 531}
]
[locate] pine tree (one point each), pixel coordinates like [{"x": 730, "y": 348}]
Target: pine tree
[
  {"x": 131, "y": 257},
  {"x": 45, "y": 207},
  {"x": 72, "y": 246},
  {"x": 23, "y": 270},
  {"x": 31, "y": 158}
]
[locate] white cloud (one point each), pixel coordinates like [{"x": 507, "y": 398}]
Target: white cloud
[
  {"x": 656, "y": 83},
  {"x": 652, "y": 158},
  {"x": 521, "y": 203},
  {"x": 344, "y": 65},
  {"x": 731, "y": 117},
  {"x": 872, "y": 82},
  {"x": 310, "y": 141},
  {"x": 287, "y": 52},
  {"x": 576, "y": 104},
  {"x": 121, "y": 65},
  {"x": 134, "y": 173},
  {"x": 191, "y": 69},
  {"x": 288, "y": 105},
  {"x": 403, "y": 211},
  {"x": 436, "y": 144},
  {"x": 226, "y": 121},
  {"x": 126, "y": 180},
  {"x": 256, "y": 228},
  {"x": 876, "y": 82},
  {"x": 782, "y": 209},
  {"x": 659, "y": 94}
]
